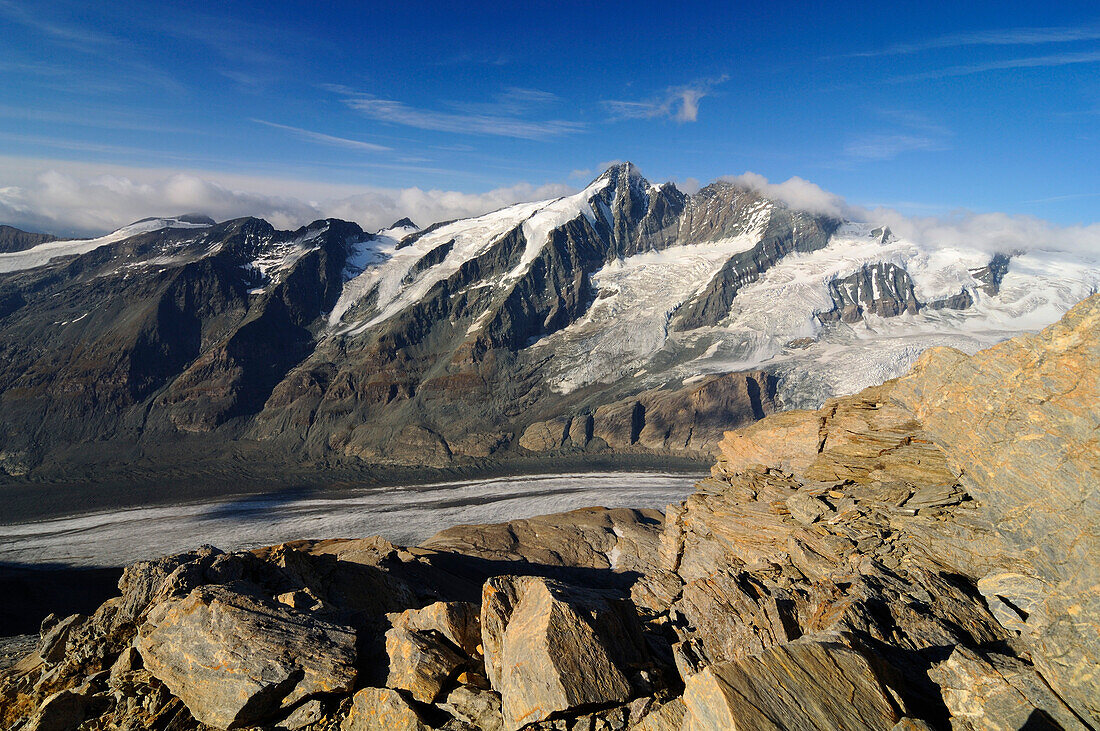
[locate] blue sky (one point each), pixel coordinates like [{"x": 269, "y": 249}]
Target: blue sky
[{"x": 920, "y": 107}]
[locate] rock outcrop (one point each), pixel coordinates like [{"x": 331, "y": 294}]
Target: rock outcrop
[{"x": 921, "y": 555}]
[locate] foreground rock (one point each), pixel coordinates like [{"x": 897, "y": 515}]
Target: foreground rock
[
  {"x": 920, "y": 555},
  {"x": 233, "y": 659},
  {"x": 805, "y": 684},
  {"x": 550, "y": 647}
]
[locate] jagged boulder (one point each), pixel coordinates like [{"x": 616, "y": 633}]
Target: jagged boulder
[
  {"x": 457, "y": 622},
  {"x": 234, "y": 659},
  {"x": 374, "y": 709},
  {"x": 420, "y": 663},
  {"x": 550, "y": 647},
  {"x": 997, "y": 691}
]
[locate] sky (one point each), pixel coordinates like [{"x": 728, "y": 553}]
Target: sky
[{"x": 110, "y": 112}]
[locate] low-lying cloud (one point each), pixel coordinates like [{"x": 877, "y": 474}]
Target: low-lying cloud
[
  {"x": 81, "y": 199},
  {"x": 72, "y": 199}
]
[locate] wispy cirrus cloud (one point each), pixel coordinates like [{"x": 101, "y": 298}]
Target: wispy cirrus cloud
[
  {"x": 67, "y": 33},
  {"x": 1056, "y": 59},
  {"x": 324, "y": 139},
  {"x": 1002, "y": 37},
  {"x": 680, "y": 103},
  {"x": 508, "y": 116},
  {"x": 889, "y": 146},
  {"x": 908, "y": 131}
]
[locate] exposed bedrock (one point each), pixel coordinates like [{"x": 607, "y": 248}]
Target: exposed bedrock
[{"x": 921, "y": 555}]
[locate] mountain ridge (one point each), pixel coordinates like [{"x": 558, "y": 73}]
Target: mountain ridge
[
  {"x": 919, "y": 555},
  {"x": 615, "y": 319}
]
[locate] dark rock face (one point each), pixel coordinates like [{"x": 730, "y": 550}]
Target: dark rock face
[
  {"x": 885, "y": 290},
  {"x": 722, "y": 210},
  {"x": 159, "y": 332},
  {"x": 13, "y": 239},
  {"x": 991, "y": 274},
  {"x": 919, "y": 555},
  {"x": 235, "y": 336}
]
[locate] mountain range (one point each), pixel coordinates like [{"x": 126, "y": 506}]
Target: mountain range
[{"x": 629, "y": 318}]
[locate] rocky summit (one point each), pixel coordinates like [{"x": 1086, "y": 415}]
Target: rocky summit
[
  {"x": 629, "y": 318},
  {"x": 921, "y": 555}
]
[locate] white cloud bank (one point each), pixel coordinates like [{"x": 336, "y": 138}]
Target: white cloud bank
[
  {"x": 993, "y": 232},
  {"x": 79, "y": 199},
  {"x": 71, "y": 198}
]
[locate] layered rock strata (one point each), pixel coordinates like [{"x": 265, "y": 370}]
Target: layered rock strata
[{"x": 919, "y": 555}]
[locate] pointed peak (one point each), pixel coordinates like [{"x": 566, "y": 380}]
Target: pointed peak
[
  {"x": 403, "y": 223},
  {"x": 622, "y": 171},
  {"x": 622, "y": 176}
]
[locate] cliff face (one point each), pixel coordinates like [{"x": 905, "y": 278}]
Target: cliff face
[{"x": 919, "y": 555}]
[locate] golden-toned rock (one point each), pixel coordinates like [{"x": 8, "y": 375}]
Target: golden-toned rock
[
  {"x": 381, "y": 709},
  {"x": 420, "y": 663},
  {"x": 799, "y": 685},
  {"x": 998, "y": 692},
  {"x": 550, "y": 647},
  {"x": 235, "y": 659},
  {"x": 457, "y": 622}
]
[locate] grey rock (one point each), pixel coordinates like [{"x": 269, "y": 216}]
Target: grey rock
[
  {"x": 51, "y": 646},
  {"x": 480, "y": 708}
]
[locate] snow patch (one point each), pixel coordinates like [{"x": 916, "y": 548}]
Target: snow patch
[{"x": 42, "y": 254}]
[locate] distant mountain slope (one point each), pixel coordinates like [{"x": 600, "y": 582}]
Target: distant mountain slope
[
  {"x": 13, "y": 239},
  {"x": 628, "y": 317}
]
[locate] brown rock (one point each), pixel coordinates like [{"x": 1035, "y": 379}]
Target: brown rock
[
  {"x": 234, "y": 659},
  {"x": 798, "y": 685},
  {"x": 543, "y": 436},
  {"x": 378, "y": 709},
  {"x": 420, "y": 663},
  {"x": 621, "y": 539},
  {"x": 665, "y": 717},
  {"x": 1020, "y": 422},
  {"x": 550, "y": 647},
  {"x": 61, "y": 711}
]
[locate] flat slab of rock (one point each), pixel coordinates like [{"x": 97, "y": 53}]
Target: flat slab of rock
[
  {"x": 798, "y": 685},
  {"x": 997, "y": 691},
  {"x": 234, "y": 659},
  {"x": 620, "y": 539}
]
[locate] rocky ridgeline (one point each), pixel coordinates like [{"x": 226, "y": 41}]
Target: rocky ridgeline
[{"x": 919, "y": 555}]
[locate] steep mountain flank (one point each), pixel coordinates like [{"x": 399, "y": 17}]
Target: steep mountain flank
[
  {"x": 628, "y": 318},
  {"x": 920, "y": 555}
]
